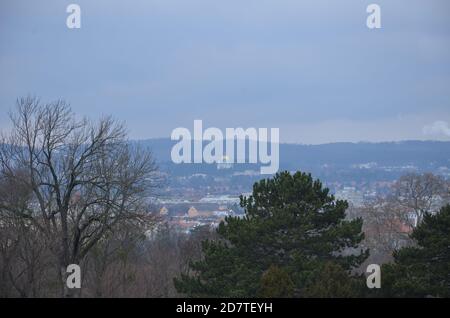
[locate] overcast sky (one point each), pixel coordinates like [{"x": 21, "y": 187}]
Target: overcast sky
[{"x": 311, "y": 68}]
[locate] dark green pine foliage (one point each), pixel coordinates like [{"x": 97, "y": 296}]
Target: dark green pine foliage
[
  {"x": 292, "y": 224},
  {"x": 422, "y": 270}
]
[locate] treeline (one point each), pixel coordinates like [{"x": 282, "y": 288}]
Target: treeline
[{"x": 73, "y": 191}]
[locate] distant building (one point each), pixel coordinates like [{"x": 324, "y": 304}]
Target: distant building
[
  {"x": 351, "y": 195},
  {"x": 248, "y": 173},
  {"x": 225, "y": 163},
  {"x": 192, "y": 212},
  {"x": 163, "y": 211},
  {"x": 221, "y": 214},
  {"x": 220, "y": 199}
]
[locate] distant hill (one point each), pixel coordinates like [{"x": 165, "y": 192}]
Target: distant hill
[
  {"x": 342, "y": 153},
  {"x": 333, "y": 162}
]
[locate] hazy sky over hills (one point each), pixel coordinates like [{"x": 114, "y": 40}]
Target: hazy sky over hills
[{"x": 311, "y": 68}]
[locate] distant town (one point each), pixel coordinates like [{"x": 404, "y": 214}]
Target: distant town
[{"x": 204, "y": 194}]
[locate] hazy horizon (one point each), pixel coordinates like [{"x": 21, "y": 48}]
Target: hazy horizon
[{"x": 315, "y": 144}]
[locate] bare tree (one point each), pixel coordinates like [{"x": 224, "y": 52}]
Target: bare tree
[
  {"x": 385, "y": 227},
  {"x": 419, "y": 194},
  {"x": 84, "y": 178},
  {"x": 389, "y": 220},
  {"x": 112, "y": 265},
  {"x": 24, "y": 257}
]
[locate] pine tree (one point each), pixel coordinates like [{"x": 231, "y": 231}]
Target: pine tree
[
  {"x": 332, "y": 281},
  {"x": 422, "y": 270},
  {"x": 276, "y": 283},
  {"x": 292, "y": 223}
]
